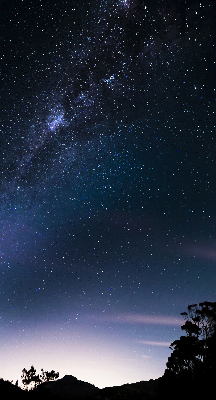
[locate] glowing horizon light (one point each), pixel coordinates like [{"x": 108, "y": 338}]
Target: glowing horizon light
[{"x": 103, "y": 361}]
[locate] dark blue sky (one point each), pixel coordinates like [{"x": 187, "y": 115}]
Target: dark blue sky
[{"x": 107, "y": 183}]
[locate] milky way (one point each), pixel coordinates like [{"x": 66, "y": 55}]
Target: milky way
[{"x": 107, "y": 183}]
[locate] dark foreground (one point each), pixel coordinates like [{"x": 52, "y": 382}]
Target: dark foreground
[{"x": 69, "y": 388}]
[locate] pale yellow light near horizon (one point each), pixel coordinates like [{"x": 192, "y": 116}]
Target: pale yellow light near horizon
[
  {"x": 97, "y": 360},
  {"x": 91, "y": 352}
]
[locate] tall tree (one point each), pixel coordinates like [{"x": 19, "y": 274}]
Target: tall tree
[{"x": 194, "y": 354}]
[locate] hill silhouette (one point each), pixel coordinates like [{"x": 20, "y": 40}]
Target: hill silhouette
[
  {"x": 144, "y": 390},
  {"x": 7, "y": 389},
  {"x": 68, "y": 387}
]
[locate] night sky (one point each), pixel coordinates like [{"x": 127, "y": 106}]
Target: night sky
[{"x": 107, "y": 198}]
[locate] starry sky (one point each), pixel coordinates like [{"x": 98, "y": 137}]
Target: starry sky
[{"x": 107, "y": 198}]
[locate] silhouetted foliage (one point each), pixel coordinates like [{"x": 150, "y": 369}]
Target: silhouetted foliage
[
  {"x": 31, "y": 379},
  {"x": 48, "y": 376},
  {"x": 194, "y": 355}
]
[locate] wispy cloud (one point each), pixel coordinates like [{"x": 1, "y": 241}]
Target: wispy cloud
[
  {"x": 202, "y": 251},
  {"x": 146, "y": 357},
  {"x": 154, "y": 343},
  {"x": 141, "y": 319}
]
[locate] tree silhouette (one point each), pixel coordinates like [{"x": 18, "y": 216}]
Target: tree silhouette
[
  {"x": 29, "y": 377},
  {"x": 48, "y": 376},
  {"x": 194, "y": 355},
  {"x": 31, "y": 380}
]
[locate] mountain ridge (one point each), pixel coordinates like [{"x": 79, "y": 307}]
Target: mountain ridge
[{"x": 70, "y": 388}]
